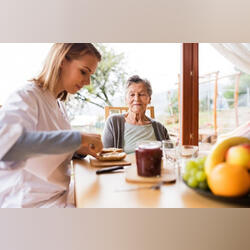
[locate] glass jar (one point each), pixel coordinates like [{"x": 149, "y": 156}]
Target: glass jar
[{"x": 148, "y": 158}]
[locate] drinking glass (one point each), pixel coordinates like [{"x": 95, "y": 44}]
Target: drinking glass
[
  {"x": 169, "y": 156},
  {"x": 185, "y": 153}
]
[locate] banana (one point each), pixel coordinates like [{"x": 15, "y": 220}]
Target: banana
[{"x": 217, "y": 154}]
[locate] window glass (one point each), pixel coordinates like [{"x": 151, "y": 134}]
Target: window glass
[
  {"x": 158, "y": 62},
  {"x": 224, "y": 93}
]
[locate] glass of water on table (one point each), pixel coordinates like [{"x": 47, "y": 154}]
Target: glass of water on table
[
  {"x": 169, "y": 157},
  {"x": 184, "y": 154}
]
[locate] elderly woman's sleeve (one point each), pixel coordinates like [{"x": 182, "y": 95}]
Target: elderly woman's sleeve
[
  {"x": 108, "y": 134},
  {"x": 165, "y": 133},
  {"x": 161, "y": 132}
]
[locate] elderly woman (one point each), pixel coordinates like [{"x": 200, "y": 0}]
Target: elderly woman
[{"x": 126, "y": 130}]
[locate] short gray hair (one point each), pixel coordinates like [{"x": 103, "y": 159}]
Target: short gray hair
[{"x": 137, "y": 79}]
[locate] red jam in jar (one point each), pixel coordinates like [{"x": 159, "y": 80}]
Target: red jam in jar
[{"x": 148, "y": 159}]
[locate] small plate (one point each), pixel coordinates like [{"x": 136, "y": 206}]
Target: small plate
[
  {"x": 242, "y": 200},
  {"x": 132, "y": 176}
]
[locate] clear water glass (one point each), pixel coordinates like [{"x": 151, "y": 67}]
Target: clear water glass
[
  {"x": 169, "y": 156},
  {"x": 184, "y": 154}
]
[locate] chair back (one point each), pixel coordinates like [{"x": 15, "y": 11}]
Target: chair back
[{"x": 121, "y": 110}]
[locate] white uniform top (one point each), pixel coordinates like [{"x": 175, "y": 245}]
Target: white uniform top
[{"x": 41, "y": 181}]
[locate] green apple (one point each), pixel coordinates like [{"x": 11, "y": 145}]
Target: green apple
[{"x": 239, "y": 155}]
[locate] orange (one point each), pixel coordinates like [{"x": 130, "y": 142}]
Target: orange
[{"x": 229, "y": 180}]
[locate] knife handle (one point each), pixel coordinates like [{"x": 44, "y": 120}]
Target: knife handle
[{"x": 108, "y": 170}]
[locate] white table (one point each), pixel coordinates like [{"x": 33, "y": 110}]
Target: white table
[{"x": 102, "y": 191}]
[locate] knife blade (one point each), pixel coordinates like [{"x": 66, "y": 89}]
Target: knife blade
[
  {"x": 109, "y": 169},
  {"x": 155, "y": 186}
]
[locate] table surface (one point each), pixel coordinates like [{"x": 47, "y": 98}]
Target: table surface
[{"x": 104, "y": 191}]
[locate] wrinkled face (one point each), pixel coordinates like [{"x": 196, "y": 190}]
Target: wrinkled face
[
  {"x": 137, "y": 98},
  {"x": 76, "y": 73}
]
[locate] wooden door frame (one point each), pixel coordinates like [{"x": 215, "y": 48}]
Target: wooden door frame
[{"x": 189, "y": 114}]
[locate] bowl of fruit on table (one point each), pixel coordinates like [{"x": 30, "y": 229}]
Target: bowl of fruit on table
[{"x": 224, "y": 174}]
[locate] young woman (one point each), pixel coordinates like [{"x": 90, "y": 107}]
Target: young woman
[{"x": 36, "y": 141}]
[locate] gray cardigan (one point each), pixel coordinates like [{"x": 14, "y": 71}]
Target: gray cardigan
[{"x": 113, "y": 134}]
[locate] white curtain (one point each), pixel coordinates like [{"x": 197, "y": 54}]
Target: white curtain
[{"x": 237, "y": 53}]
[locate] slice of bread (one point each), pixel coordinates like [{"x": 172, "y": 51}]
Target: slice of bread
[
  {"x": 111, "y": 154},
  {"x": 111, "y": 150}
]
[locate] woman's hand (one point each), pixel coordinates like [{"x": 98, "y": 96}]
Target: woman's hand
[{"x": 91, "y": 144}]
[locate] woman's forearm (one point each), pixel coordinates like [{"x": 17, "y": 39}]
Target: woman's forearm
[{"x": 36, "y": 143}]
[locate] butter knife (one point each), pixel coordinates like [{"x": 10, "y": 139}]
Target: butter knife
[{"x": 109, "y": 169}]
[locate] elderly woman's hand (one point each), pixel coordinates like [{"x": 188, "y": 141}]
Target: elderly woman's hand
[{"x": 91, "y": 144}]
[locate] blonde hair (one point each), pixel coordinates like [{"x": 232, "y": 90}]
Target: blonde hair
[{"x": 51, "y": 72}]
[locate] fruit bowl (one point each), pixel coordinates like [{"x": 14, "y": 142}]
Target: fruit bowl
[{"x": 242, "y": 200}]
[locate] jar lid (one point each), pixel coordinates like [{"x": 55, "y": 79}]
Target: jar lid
[{"x": 149, "y": 144}]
